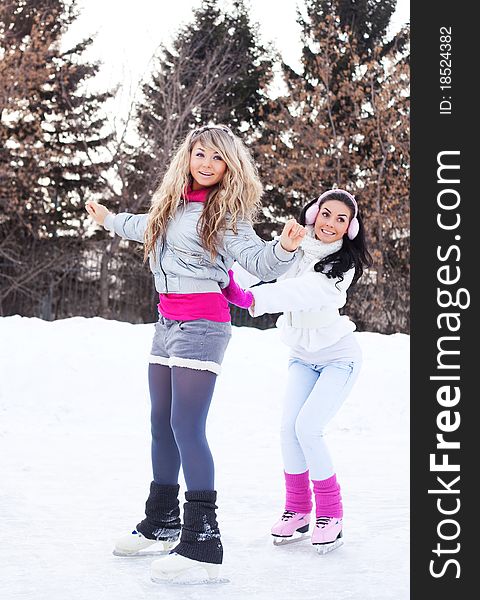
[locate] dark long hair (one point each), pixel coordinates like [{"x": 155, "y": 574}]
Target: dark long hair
[{"x": 353, "y": 253}]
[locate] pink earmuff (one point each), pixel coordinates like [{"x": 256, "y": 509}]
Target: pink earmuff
[{"x": 312, "y": 212}]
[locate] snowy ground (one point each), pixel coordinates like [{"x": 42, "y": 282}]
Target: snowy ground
[{"x": 74, "y": 448}]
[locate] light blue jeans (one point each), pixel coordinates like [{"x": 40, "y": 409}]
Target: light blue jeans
[{"x": 313, "y": 396}]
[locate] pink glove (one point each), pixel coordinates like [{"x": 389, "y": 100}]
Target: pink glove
[{"x": 237, "y": 295}]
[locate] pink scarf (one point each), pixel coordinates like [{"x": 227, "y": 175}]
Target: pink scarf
[{"x": 200, "y": 195}]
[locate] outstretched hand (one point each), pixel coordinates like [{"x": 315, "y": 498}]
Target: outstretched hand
[
  {"x": 292, "y": 235},
  {"x": 97, "y": 211}
]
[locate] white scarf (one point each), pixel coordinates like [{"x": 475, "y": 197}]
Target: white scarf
[{"x": 314, "y": 249}]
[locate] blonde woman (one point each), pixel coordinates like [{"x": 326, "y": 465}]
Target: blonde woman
[{"x": 199, "y": 223}]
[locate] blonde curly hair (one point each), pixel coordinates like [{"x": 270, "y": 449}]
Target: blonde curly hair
[{"x": 236, "y": 197}]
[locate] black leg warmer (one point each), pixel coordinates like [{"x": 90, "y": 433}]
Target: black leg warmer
[
  {"x": 162, "y": 512},
  {"x": 200, "y": 539}
]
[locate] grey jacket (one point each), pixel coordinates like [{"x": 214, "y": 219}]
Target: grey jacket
[{"x": 182, "y": 266}]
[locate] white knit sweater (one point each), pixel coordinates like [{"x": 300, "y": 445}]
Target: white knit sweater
[{"x": 309, "y": 300}]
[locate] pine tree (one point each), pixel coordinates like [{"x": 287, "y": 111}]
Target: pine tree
[
  {"x": 366, "y": 20},
  {"x": 51, "y": 137},
  {"x": 50, "y": 126}
]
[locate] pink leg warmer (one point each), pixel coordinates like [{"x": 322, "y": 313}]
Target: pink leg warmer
[
  {"x": 328, "y": 499},
  {"x": 299, "y": 494}
]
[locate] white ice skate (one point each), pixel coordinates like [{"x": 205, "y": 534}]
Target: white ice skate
[
  {"x": 175, "y": 568},
  {"x": 135, "y": 544},
  {"x": 291, "y": 527},
  {"x": 327, "y": 534}
]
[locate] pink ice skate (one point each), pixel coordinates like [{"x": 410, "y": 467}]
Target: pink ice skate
[
  {"x": 291, "y": 527},
  {"x": 327, "y": 534}
]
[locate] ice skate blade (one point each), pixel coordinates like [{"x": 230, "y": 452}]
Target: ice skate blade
[
  {"x": 283, "y": 541},
  {"x": 187, "y": 579},
  {"x": 195, "y": 575},
  {"x": 182, "y": 570},
  {"x": 158, "y": 549},
  {"x": 159, "y": 553},
  {"x": 326, "y": 548}
]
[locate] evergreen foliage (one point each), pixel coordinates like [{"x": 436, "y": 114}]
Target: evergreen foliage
[
  {"x": 50, "y": 128},
  {"x": 51, "y": 137}
]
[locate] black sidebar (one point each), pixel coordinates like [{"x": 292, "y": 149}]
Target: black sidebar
[{"x": 445, "y": 236}]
